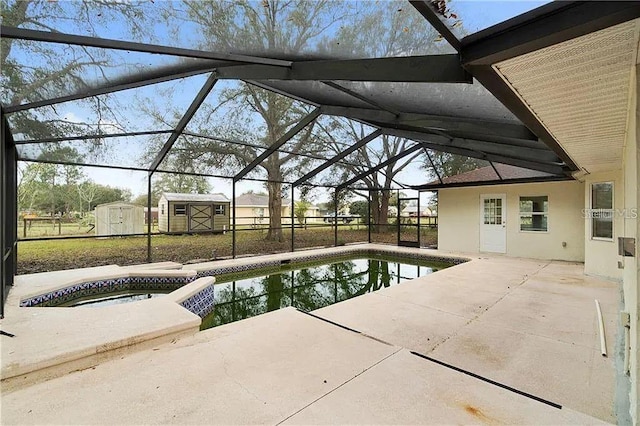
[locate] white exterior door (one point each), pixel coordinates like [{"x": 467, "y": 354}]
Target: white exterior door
[
  {"x": 126, "y": 218},
  {"x": 493, "y": 226},
  {"x": 115, "y": 221}
]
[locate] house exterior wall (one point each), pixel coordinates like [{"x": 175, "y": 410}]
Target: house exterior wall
[
  {"x": 631, "y": 271},
  {"x": 459, "y": 220},
  {"x": 248, "y": 215}
]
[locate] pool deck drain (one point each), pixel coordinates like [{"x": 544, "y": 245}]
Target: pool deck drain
[{"x": 523, "y": 323}]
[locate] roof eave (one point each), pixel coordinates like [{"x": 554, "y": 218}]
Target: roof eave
[{"x": 438, "y": 186}]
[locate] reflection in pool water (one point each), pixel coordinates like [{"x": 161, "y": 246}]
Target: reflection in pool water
[{"x": 309, "y": 288}]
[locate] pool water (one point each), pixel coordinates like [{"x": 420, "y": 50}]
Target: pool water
[{"x": 309, "y": 288}]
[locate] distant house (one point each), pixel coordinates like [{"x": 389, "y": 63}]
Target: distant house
[
  {"x": 253, "y": 209},
  {"x": 119, "y": 218},
  {"x": 189, "y": 213},
  {"x": 154, "y": 215},
  {"x": 412, "y": 211}
]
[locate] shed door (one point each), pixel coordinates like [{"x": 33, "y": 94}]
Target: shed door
[
  {"x": 115, "y": 221},
  {"x": 493, "y": 227},
  {"x": 126, "y": 220},
  {"x": 200, "y": 217}
]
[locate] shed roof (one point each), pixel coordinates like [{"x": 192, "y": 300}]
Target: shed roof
[
  {"x": 173, "y": 196},
  {"x": 118, "y": 203}
]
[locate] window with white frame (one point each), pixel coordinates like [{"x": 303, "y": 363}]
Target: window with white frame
[
  {"x": 179, "y": 209},
  {"x": 219, "y": 209},
  {"x": 602, "y": 210},
  {"x": 534, "y": 213}
]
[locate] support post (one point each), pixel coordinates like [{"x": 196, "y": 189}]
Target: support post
[
  {"x": 149, "y": 218},
  {"x": 398, "y": 214},
  {"x": 335, "y": 218},
  {"x": 419, "y": 214},
  {"x": 233, "y": 219},
  {"x": 8, "y": 210},
  {"x": 293, "y": 246},
  {"x": 369, "y": 216}
]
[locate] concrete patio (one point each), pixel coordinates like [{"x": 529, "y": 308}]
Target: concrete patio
[{"x": 526, "y": 330}]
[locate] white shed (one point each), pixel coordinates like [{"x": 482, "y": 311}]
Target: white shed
[{"x": 119, "y": 218}]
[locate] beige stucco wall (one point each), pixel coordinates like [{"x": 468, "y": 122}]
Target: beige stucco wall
[
  {"x": 247, "y": 215},
  {"x": 631, "y": 272},
  {"x": 459, "y": 220}
]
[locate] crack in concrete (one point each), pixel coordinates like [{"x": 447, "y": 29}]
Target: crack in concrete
[
  {"x": 233, "y": 379},
  {"x": 339, "y": 386},
  {"x": 510, "y": 290}
]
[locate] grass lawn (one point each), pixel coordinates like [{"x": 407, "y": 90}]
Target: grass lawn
[{"x": 52, "y": 255}]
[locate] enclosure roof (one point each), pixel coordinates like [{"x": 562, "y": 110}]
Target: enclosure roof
[
  {"x": 172, "y": 196},
  {"x": 443, "y": 93}
]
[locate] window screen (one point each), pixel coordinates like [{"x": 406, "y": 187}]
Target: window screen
[
  {"x": 602, "y": 210},
  {"x": 534, "y": 213}
]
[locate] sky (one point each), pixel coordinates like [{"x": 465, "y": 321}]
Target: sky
[{"x": 475, "y": 15}]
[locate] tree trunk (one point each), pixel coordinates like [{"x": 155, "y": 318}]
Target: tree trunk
[
  {"x": 275, "y": 209},
  {"x": 384, "y": 207},
  {"x": 274, "y": 287},
  {"x": 380, "y": 210}
]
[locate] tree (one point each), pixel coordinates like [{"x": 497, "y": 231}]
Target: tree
[
  {"x": 250, "y": 113},
  {"x": 87, "y": 193},
  {"x": 141, "y": 200},
  {"x": 300, "y": 210},
  {"x": 54, "y": 184},
  {"x": 450, "y": 164},
  {"x": 393, "y": 201},
  {"x": 286, "y": 29},
  {"x": 180, "y": 183},
  {"x": 360, "y": 208},
  {"x": 30, "y": 186},
  {"x": 33, "y": 71},
  {"x": 380, "y": 35},
  {"x": 109, "y": 194},
  {"x": 363, "y": 160},
  {"x": 342, "y": 201}
]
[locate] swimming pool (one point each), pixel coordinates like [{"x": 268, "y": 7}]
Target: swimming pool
[
  {"x": 247, "y": 287},
  {"x": 309, "y": 287}
]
